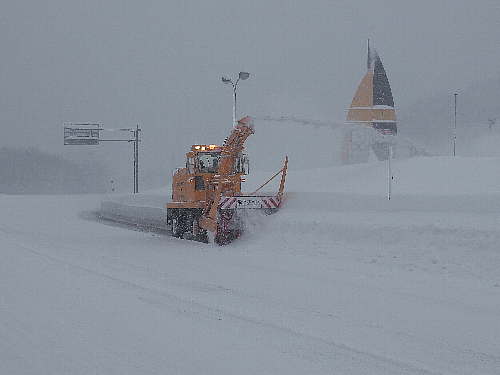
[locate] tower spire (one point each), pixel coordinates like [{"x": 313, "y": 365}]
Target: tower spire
[{"x": 369, "y": 59}]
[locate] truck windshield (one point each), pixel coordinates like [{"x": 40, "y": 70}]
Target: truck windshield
[{"x": 208, "y": 162}]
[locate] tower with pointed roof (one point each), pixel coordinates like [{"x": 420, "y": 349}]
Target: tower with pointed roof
[{"x": 373, "y": 106}]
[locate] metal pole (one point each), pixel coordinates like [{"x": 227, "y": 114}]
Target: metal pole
[
  {"x": 226, "y": 79},
  {"x": 389, "y": 194},
  {"x": 455, "y": 140},
  {"x": 234, "y": 104},
  {"x": 136, "y": 160}
]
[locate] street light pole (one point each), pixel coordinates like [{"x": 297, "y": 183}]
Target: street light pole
[{"x": 226, "y": 79}]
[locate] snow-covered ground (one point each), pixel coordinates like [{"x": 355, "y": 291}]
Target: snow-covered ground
[{"x": 339, "y": 281}]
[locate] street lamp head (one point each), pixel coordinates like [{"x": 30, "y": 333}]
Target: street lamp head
[
  {"x": 244, "y": 75},
  {"x": 226, "y": 79}
]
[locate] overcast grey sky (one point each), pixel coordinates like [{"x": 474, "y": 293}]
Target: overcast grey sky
[{"x": 159, "y": 63}]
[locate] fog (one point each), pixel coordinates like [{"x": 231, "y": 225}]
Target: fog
[{"x": 159, "y": 65}]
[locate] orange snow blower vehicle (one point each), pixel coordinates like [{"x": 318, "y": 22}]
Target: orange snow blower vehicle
[{"x": 207, "y": 202}]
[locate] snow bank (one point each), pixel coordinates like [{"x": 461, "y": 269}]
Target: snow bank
[
  {"x": 445, "y": 184},
  {"x": 147, "y": 209}
]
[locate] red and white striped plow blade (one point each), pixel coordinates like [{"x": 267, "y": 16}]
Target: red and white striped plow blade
[{"x": 248, "y": 202}]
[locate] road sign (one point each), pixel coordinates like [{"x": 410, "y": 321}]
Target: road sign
[
  {"x": 88, "y": 135},
  {"x": 81, "y": 134}
]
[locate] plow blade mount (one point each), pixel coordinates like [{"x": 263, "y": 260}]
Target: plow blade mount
[{"x": 228, "y": 225}]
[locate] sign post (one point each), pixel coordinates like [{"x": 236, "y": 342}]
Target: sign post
[{"x": 89, "y": 135}]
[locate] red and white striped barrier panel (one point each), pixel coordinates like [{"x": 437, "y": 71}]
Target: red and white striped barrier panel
[
  {"x": 271, "y": 202},
  {"x": 227, "y": 202}
]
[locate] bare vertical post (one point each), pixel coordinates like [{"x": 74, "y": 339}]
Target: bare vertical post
[
  {"x": 455, "y": 139},
  {"x": 390, "y": 177},
  {"x": 136, "y": 160}
]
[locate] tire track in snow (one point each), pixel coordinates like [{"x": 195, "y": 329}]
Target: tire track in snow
[{"x": 282, "y": 338}]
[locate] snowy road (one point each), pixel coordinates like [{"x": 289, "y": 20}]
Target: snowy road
[{"x": 315, "y": 292}]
